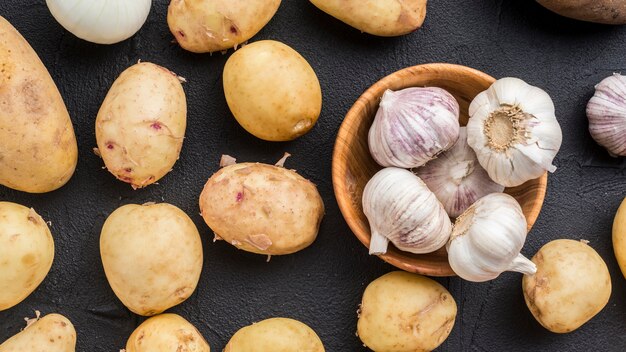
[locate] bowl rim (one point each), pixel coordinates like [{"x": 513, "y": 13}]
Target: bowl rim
[{"x": 348, "y": 211}]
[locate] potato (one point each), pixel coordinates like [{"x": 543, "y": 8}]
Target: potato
[
  {"x": 619, "y": 237},
  {"x": 26, "y": 253},
  {"x": 141, "y": 124},
  {"x": 403, "y": 312},
  {"x": 572, "y": 284},
  {"x": 386, "y": 18},
  {"x": 272, "y": 91},
  {"x": 262, "y": 208},
  {"x": 38, "y": 151},
  {"x": 152, "y": 256},
  {"x": 599, "y": 11},
  {"x": 52, "y": 333},
  {"x": 166, "y": 333},
  {"x": 275, "y": 335},
  {"x": 203, "y": 26}
]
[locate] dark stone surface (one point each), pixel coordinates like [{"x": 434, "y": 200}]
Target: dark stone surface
[{"x": 322, "y": 285}]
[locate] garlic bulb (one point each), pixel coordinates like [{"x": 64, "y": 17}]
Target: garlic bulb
[
  {"x": 101, "y": 21},
  {"x": 413, "y": 125},
  {"x": 607, "y": 114},
  {"x": 401, "y": 209},
  {"x": 456, "y": 177},
  {"x": 487, "y": 239},
  {"x": 514, "y": 132}
]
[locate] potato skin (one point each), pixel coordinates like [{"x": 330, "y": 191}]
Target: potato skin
[
  {"x": 26, "y": 253},
  {"x": 385, "y": 18},
  {"x": 619, "y": 237},
  {"x": 599, "y": 11},
  {"x": 141, "y": 124},
  {"x": 166, "y": 333},
  {"x": 272, "y": 91},
  {"x": 262, "y": 208},
  {"x": 152, "y": 256},
  {"x": 404, "y": 312},
  {"x": 571, "y": 286},
  {"x": 52, "y": 333},
  {"x": 275, "y": 335},
  {"x": 202, "y": 26},
  {"x": 38, "y": 151}
]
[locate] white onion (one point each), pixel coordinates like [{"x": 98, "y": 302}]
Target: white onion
[{"x": 101, "y": 21}]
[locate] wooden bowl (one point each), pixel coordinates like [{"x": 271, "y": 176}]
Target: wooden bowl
[{"x": 353, "y": 165}]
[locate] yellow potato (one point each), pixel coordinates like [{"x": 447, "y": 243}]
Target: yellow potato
[
  {"x": 166, "y": 333},
  {"x": 272, "y": 91},
  {"x": 52, "y": 333},
  {"x": 386, "y": 18},
  {"x": 600, "y": 11},
  {"x": 26, "y": 253},
  {"x": 403, "y": 312},
  {"x": 141, "y": 124},
  {"x": 203, "y": 26},
  {"x": 38, "y": 151},
  {"x": 619, "y": 237},
  {"x": 275, "y": 335},
  {"x": 152, "y": 256},
  {"x": 262, "y": 208},
  {"x": 571, "y": 286}
]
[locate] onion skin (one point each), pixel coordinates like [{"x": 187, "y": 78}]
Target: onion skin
[{"x": 598, "y": 11}]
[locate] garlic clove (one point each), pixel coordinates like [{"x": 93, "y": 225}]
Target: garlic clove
[
  {"x": 401, "y": 209},
  {"x": 456, "y": 177},
  {"x": 606, "y": 112},
  {"x": 487, "y": 239},
  {"x": 514, "y": 132},
  {"x": 412, "y": 126}
]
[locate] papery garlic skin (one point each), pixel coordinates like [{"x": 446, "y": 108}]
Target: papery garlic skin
[
  {"x": 514, "y": 131},
  {"x": 487, "y": 239},
  {"x": 412, "y": 126},
  {"x": 401, "y": 209},
  {"x": 101, "y": 21},
  {"x": 456, "y": 177},
  {"x": 606, "y": 112}
]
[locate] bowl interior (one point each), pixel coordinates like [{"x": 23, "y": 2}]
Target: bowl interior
[{"x": 353, "y": 165}]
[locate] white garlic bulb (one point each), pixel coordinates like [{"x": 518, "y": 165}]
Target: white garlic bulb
[
  {"x": 456, "y": 177},
  {"x": 101, "y": 21},
  {"x": 412, "y": 126},
  {"x": 514, "y": 132},
  {"x": 487, "y": 239},
  {"x": 401, "y": 209},
  {"x": 606, "y": 112}
]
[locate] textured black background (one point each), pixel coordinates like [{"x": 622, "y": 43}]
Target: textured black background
[{"x": 322, "y": 285}]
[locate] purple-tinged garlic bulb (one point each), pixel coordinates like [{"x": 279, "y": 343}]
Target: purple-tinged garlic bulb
[
  {"x": 401, "y": 209},
  {"x": 412, "y": 126},
  {"x": 456, "y": 177},
  {"x": 607, "y": 114}
]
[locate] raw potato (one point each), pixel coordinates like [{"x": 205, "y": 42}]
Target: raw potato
[
  {"x": 26, "y": 253},
  {"x": 275, "y": 335},
  {"x": 203, "y": 26},
  {"x": 152, "y": 256},
  {"x": 141, "y": 125},
  {"x": 403, "y": 312},
  {"x": 386, "y": 18},
  {"x": 166, "y": 333},
  {"x": 262, "y": 208},
  {"x": 38, "y": 151},
  {"x": 619, "y": 237},
  {"x": 572, "y": 284},
  {"x": 272, "y": 91},
  {"x": 52, "y": 333},
  {"x": 599, "y": 11}
]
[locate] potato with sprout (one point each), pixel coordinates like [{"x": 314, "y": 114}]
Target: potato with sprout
[
  {"x": 404, "y": 312},
  {"x": 571, "y": 286},
  {"x": 275, "y": 335},
  {"x": 262, "y": 208},
  {"x": 52, "y": 333}
]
